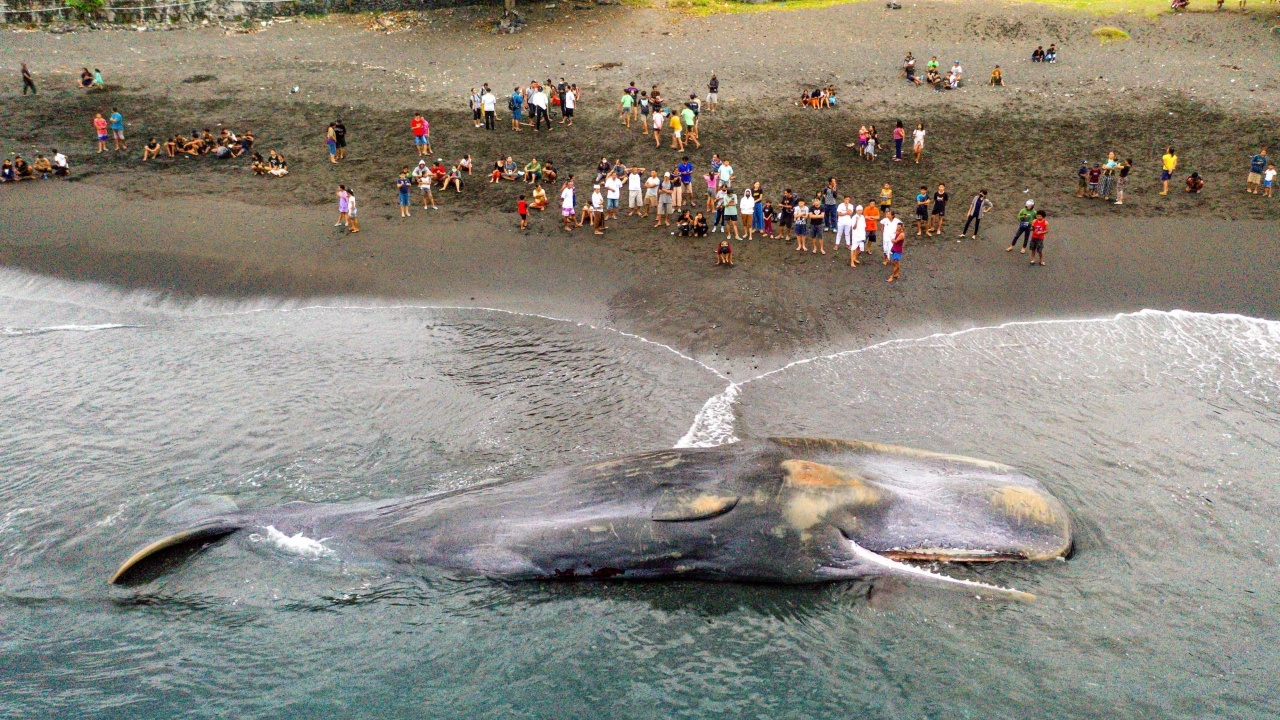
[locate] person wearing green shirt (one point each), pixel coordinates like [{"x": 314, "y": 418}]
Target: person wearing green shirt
[
  {"x": 1025, "y": 217},
  {"x": 690, "y": 120},
  {"x": 627, "y": 103},
  {"x": 532, "y": 171}
]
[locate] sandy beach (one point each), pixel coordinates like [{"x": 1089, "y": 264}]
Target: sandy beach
[{"x": 1203, "y": 82}]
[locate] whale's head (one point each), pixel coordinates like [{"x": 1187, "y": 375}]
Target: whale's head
[{"x": 892, "y": 504}]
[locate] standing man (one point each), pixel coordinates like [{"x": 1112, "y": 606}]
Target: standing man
[
  {"x": 977, "y": 207},
  {"x": 922, "y": 210},
  {"x": 566, "y": 205},
  {"x": 488, "y": 103},
  {"x": 562, "y": 87},
  {"x": 1025, "y": 217},
  {"x": 613, "y": 193},
  {"x": 116, "y": 123},
  {"x": 830, "y": 200},
  {"x": 844, "y": 226},
  {"x": 539, "y": 103},
  {"x": 568, "y": 101},
  {"x": 340, "y": 135},
  {"x": 420, "y": 137},
  {"x": 713, "y": 93},
  {"x": 1169, "y": 163},
  {"x": 871, "y": 221},
  {"x": 1257, "y": 166},
  {"x": 635, "y": 202},
  {"x": 27, "y": 81},
  {"x": 891, "y": 229},
  {"x": 685, "y": 168}
]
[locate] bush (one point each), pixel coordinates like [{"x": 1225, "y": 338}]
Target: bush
[{"x": 1107, "y": 34}]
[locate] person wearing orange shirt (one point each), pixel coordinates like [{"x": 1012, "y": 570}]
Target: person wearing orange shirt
[{"x": 871, "y": 214}]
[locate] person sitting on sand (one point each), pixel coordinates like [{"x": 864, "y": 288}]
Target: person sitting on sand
[
  {"x": 831, "y": 96},
  {"x": 61, "y": 168},
  {"x": 42, "y": 166},
  {"x": 724, "y": 253},
  {"x": 222, "y": 151},
  {"x": 1051, "y": 55},
  {"x": 684, "y": 224},
  {"x": 151, "y": 150},
  {"x": 276, "y": 164},
  {"x": 532, "y": 171},
  {"x": 194, "y": 146},
  {"x": 246, "y": 142},
  {"x": 86, "y": 78},
  {"x": 259, "y": 166},
  {"x": 97, "y": 79},
  {"x": 549, "y": 174},
  {"x": 439, "y": 172},
  {"x": 171, "y": 146},
  {"x": 454, "y": 178},
  {"x": 21, "y": 168},
  {"x": 909, "y": 70},
  {"x": 510, "y": 171},
  {"x": 934, "y": 80},
  {"x": 1037, "y": 55},
  {"x": 997, "y": 77},
  {"x": 699, "y": 225},
  {"x": 1195, "y": 183},
  {"x": 465, "y": 164},
  {"x": 539, "y": 198},
  {"x": 6, "y": 172}
]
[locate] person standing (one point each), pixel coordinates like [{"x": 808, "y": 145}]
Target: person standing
[
  {"x": 977, "y": 207},
  {"x": 1168, "y": 164},
  {"x": 403, "y": 187},
  {"x": 425, "y": 181},
  {"x": 830, "y": 201},
  {"x": 890, "y": 229},
  {"x": 1039, "y": 229},
  {"x": 488, "y": 103},
  {"x": 1257, "y": 166},
  {"x": 331, "y": 140},
  {"x": 917, "y": 141},
  {"x": 628, "y": 104},
  {"x": 28, "y": 83},
  {"x": 353, "y": 221},
  {"x": 340, "y": 138},
  {"x": 1122, "y": 178},
  {"x": 567, "y": 205},
  {"x": 539, "y": 103},
  {"x": 100, "y": 130},
  {"x": 597, "y": 209},
  {"x": 522, "y": 209},
  {"x": 871, "y": 221},
  {"x": 1108, "y": 179},
  {"x": 801, "y": 226},
  {"x": 899, "y": 135},
  {"x": 116, "y": 123},
  {"x": 516, "y": 105},
  {"x": 713, "y": 93},
  {"x": 419, "y": 127},
  {"x": 343, "y": 208},
  {"x": 896, "y": 247},
  {"x": 725, "y": 175},
  {"x": 939, "y": 214},
  {"x": 568, "y": 101},
  {"x": 747, "y": 209},
  {"x": 844, "y": 224},
  {"x": 1025, "y": 217}
]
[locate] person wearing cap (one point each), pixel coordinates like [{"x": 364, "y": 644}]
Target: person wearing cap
[{"x": 1026, "y": 216}]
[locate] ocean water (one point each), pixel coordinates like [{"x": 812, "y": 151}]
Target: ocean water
[{"x": 1158, "y": 431}]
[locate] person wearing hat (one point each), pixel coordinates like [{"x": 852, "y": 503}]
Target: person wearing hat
[{"x": 1026, "y": 216}]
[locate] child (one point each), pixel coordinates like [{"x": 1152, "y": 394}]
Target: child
[
  {"x": 1095, "y": 180},
  {"x": 724, "y": 253},
  {"x": 871, "y": 148},
  {"x": 1039, "y": 229},
  {"x": 1268, "y": 178},
  {"x": 343, "y": 206},
  {"x": 801, "y": 226},
  {"x": 539, "y": 198},
  {"x": 403, "y": 186},
  {"x": 352, "y": 221},
  {"x": 895, "y": 252},
  {"x": 768, "y": 219},
  {"x": 522, "y": 209}
]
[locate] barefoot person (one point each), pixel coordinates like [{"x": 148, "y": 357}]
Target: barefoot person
[
  {"x": 1168, "y": 164},
  {"x": 801, "y": 226},
  {"x": 891, "y": 229},
  {"x": 343, "y": 206},
  {"x": 100, "y": 130},
  {"x": 895, "y": 250},
  {"x": 939, "y": 212},
  {"x": 917, "y": 141},
  {"x": 922, "y": 210},
  {"x": 404, "y": 186},
  {"x": 353, "y": 221},
  {"x": 116, "y": 124},
  {"x": 567, "y": 206},
  {"x": 1039, "y": 229},
  {"x": 1026, "y": 216},
  {"x": 522, "y": 209},
  {"x": 724, "y": 253}
]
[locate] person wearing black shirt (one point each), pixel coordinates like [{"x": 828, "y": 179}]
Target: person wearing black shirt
[
  {"x": 27, "y": 81},
  {"x": 713, "y": 93},
  {"x": 787, "y": 216},
  {"x": 939, "y": 213},
  {"x": 340, "y": 135}
]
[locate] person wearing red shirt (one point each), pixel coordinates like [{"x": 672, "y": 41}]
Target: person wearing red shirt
[
  {"x": 100, "y": 128},
  {"x": 439, "y": 172},
  {"x": 1039, "y": 229},
  {"x": 421, "y": 134},
  {"x": 522, "y": 208}
]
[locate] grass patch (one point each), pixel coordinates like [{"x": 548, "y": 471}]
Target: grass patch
[{"x": 1110, "y": 34}]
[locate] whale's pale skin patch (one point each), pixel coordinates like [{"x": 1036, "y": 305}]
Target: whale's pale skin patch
[{"x": 1025, "y": 503}]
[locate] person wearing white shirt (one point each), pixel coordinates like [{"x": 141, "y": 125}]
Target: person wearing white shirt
[
  {"x": 844, "y": 223},
  {"x": 635, "y": 198},
  {"x": 917, "y": 141},
  {"x": 538, "y": 100},
  {"x": 488, "y": 102},
  {"x": 747, "y": 209},
  {"x": 651, "y": 193},
  {"x": 61, "y": 168},
  {"x": 613, "y": 193},
  {"x": 597, "y": 210},
  {"x": 570, "y": 102},
  {"x": 859, "y": 237},
  {"x": 889, "y": 230},
  {"x": 566, "y": 206}
]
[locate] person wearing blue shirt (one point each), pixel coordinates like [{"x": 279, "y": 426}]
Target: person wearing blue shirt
[
  {"x": 1257, "y": 165},
  {"x": 516, "y": 104},
  {"x": 685, "y": 168},
  {"x": 116, "y": 123}
]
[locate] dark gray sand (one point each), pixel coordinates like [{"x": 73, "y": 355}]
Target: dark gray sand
[{"x": 1203, "y": 82}]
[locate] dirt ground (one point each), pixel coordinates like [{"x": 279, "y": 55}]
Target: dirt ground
[{"x": 1205, "y": 83}]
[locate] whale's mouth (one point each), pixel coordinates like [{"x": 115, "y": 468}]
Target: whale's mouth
[{"x": 888, "y": 564}]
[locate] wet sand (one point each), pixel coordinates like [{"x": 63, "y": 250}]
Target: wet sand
[{"x": 198, "y": 226}]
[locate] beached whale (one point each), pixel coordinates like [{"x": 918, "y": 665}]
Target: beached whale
[{"x": 783, "y": 510}]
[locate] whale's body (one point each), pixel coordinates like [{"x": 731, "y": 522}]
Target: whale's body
[{"x": 786, "y": 510}]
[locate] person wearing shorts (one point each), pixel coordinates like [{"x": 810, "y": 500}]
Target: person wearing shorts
[
  {"x": 922, "y": 210},
  {"x": 1168, "y": 164},
  {"x": 421, "y": 139},
  {"x": 116, "y": 124},
  {"x": 713, "y": 93},
  {"x": 635, "y": 193},
  {"x": 1039, "y": 229},
  {"x": 651, "y": 193},
  {"x": 403, "y": 187},
  {"x": 566, "y": 206},
  {"x": 1257, "y": 166},
  {"x": 100, "y": 131}
]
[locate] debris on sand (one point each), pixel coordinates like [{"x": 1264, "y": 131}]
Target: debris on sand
[
  {"x": 394, "y": 22},
  {"x": 604, "y": 66}
]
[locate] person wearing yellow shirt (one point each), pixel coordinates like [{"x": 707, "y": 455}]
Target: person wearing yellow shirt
[{"x": 1169, "y": 163}]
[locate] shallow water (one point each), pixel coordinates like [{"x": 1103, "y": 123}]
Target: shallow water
[{"x": 1157, "y": 430}]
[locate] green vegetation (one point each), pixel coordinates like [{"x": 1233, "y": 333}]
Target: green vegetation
[
  {"x": 85, "y": 8},
  {"x": 1100, "y": 7},
  {"x": 1108, "y": 34}
]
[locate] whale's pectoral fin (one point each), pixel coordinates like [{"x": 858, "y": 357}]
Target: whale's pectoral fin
[
  {"x": 164, "y": 554},
  {"x": 684, "y": 504},
  {"x": 893, "y": 567}
]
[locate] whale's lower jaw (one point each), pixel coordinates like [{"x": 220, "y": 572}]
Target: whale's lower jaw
[
  {"x": 874, "y": 564},
  {"x": 949, "y": 555}
]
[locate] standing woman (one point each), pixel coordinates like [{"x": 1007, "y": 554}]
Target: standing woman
[
  {"x": 939, "y": 214},
  {"x": 353, "y": 222},
  {"x": 475, "y": 108},
  {"x": 748, "y": 207},
  {"x": 1122, "y": 178},
  {"x": 917, "y": 141},
  {"x": 977, "y": 206},
  {"x": 899, "y": 134},
  {"x": 331, "y": 139},
  {"x": 757, "y": 213}
]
